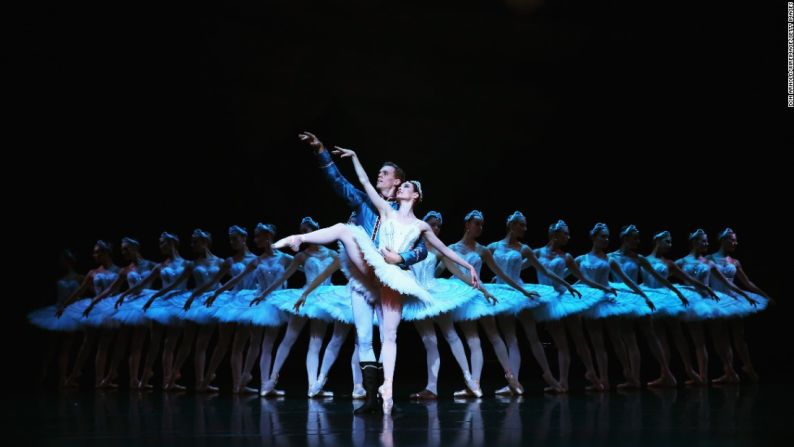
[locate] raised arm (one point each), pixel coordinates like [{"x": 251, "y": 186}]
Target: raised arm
[
  {"x": 632, "y": 285},
  {"x": 374, "y": 196},
  {"x": 343, "y": 188},
  {"x": 296, "y": 262}
]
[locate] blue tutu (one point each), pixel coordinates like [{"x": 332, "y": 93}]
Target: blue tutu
[
  {"x": 735, "y": 305},
  {"x": 166, "y": 309},
  {"x": 45, "y": 318},
  {"x": 198, "y": 312},
  {"x": 334, "y": 301},
  {"x": 235, "y": 307},
  {"x": 448, "y": 295},
  {"x": 131, "y": 311},
  {"x": 102, "y": 314},
  {"x": 627, "y": 304},
  {"x": 562, "y": 304},
  {"x": 706, "y": 308},
  {"x": 509, "y": 301},
  {"x": 285, "y": 299}
]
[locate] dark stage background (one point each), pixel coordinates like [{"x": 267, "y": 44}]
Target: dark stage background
[{"x": 152, "y": 117}]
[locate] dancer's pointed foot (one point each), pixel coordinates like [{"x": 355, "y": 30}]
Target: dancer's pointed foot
[
  {"x": 293, "y": 242},
  {"x": 728, "y": 378},
  {"x": 629, "y": 385},
  {"x": 464, "y": 393},
  {"x": 694, "y": 378},
  {"x": 317, "y": 386},
  {"x": 595, "y": 384},
  {"x": 513, "y": 383},
  {"x": 472, "y": 386},
  {"x": 385, "y": 391},
  {"x": 553, "y": 385},
  {"x": 359, "y": 392},
  {"x": 665, "y": 381},
  {"x": 423, "y": 395},
  {"x": 144, "y": 383}
]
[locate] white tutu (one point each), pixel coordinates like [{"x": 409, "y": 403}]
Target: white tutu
[
  {"x": 448, "y": 295},
  {"x": 198, "y": 312},
  {"x": 166, "y": 309},
  {"x": 706, "y": 307},
  {"x": 627, "y": 304},
  {"x": 131, "y": 311},
  {"x": 45, "y": 318},
  {"x": 735, "y": 305},
  {"x": 509, "y": 301},
  {"x": 391, "y": 276},
  {"x": 102, "y": 314},
  {"x": 235, "y": 307},
  {"x": 668, "y": 304},
  {"x": 562, "y": 304},
  {"x": 285, "y": 299}
]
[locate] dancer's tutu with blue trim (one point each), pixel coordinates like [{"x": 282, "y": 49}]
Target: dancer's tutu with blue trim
[
  {"x": 131, "y": 312},
  {"x": 46, "y": 319},
  {"x": 738, "y": 306},
  {"x": 561, "y": 304}
]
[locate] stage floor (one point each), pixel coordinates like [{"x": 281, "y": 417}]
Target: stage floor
[{"x": 730, "y": 416}]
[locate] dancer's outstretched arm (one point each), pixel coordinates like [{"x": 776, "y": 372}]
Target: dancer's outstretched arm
[
  {"x": 137, "y": 288},
  {"x": 113, "y": 289},
  {"x": 664, "y": 281},
  {"x": 436, "y": 243},
  {"x": 354, "y": 197},
  {"x": 182, "y": 278},
  {"x": 688, "y": 279},
  {"x": 336, "y": 265},
  {"x": 632, "y": 285},
  {"x": 297, "y": 262},
  {"x": 198, "y": 291},
  {"x": 374, "y": 196},
  {"x": 573, "y": 267},
  {"x": 450, "y": 265},
  {"x": 531, "y": 259},
  {"x": 487, "y": 257},
  {"x": 232, "y": 282},
  {"x": 716, "y": 271},
  {"x": 89, "y": 278}
]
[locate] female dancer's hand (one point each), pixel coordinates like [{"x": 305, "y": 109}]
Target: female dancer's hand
[
  {"x": 649, "y": 302},
  {"x": 89, "y": 308},
  {"x": 343, "y": 153},
  {"x": 488, "y": 296},
  {"x": 208, "y": 302},
  {"x": 610, "y": 290},
  {"x": 120, "y": 301},
  {"x": 681, "y": 297},
  {"x": 59, "y": 311},
  {"x": 148, "y": 303},
  {"x": 300, "y": 302},
  {"x": 530, "y": 294},
  {"x": 188, "y": 303},
  {"x": 257, "y": 300},
  {"x": 475, "y": 279},
  {"x": 574, "y": 292}
]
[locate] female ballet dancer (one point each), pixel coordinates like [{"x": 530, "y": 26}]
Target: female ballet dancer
[
  {"x": 564, "y": 311},
  {"x": 672, "y": 309},
  {"x": 161, "y": 314},
  {"x": 100, "y": 278},
  {"x": 62, "y": 329},
  {"x": 198, "y": 325},
  {"x": 425, "y": 272},
  {"x": 714, "y": 312},
  {"x": 313, "y": 259},
  {"x": 731, "y": 268},
  {"x": 482, "y": 309},
  {"x": 132, "y": 325},
  {"x": 632, "y": 264},
  {"x": 400, "y": 230},
  {"x": 512, "y": 256},
  {"x": 596, "y": 266},
  {"x": 229, "y": 332},
  {"x": 263, "y": 321}
]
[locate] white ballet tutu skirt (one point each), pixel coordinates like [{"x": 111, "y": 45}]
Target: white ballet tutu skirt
[
  {"x": 166, "y": 309},
  {"x": 285, "y": 299},
  {"x": 131, "y": 312},
  {"x": 198, "y": 312},
  {"x": 562, "y": 304},
  {"x": 509, "y": 302},
  {"x": 627, "y": 304},
  {"x": 45, "y": 318},
  {"x": 235, "y": 307}
]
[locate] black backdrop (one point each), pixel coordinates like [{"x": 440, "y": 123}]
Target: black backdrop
[{"x": 141, "y": 118}]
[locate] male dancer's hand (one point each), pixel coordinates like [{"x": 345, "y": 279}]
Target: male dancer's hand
[
  {"x": 391, "y": 257},
  {"x": 312, "y": 141}
]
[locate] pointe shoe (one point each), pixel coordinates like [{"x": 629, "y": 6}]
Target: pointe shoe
[
  {"x": 463, "y": 393},
  {"x": 269, "y": 387},
  {"x": 727, "y": 379},
  {"x": 596, "y": 384},
  {"x": 473, "y": 386},
  {"x": 317, "y": 386},
  {"x": 385, "y": 392},
  {"x": 515, "y": 386},
  {"x": 504, "y": 391},
  {"x": 293, "y": 242},
  {"x": 359, "y": 392}
]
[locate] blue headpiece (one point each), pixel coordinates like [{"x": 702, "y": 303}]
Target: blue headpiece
[
  {"x": 432, "y": 214},
  {"x": 474, "y": 214},
  {"x": 599, "y": 228},
  {"x": 310, "y": 222},
  {"x": 236, "y": 229}
]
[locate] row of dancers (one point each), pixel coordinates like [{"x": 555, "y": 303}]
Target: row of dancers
[{"x": 393, "y": 276}]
